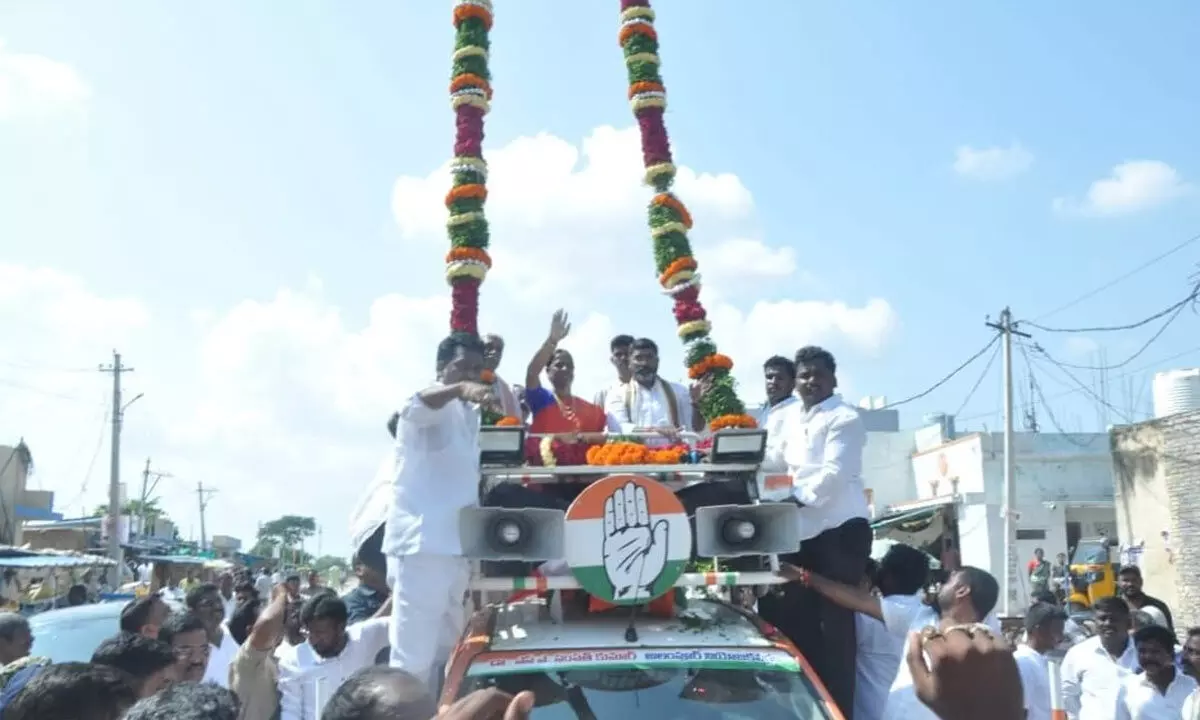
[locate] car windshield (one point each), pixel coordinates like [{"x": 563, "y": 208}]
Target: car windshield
[
  {"x": 675, "y": 690},
  {"x": 1090, "y": 553},
  {"x": 73, "y": 638}
]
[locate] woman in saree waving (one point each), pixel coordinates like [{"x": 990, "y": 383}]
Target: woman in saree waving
[{"x": 555, "y": 410}]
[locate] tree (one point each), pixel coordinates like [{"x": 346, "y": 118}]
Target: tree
[
  {"x": 325, "y": 562},
  {"x": 152, "y": 511},
  {"x": 265, "y": 547},
  {"x": 287, "y": 533}
]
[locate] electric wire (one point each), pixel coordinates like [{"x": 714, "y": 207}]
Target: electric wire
[
  {"x": 1178, "y": 310},
  {"x": 1092, "y": 293},
  {"x": 1190, "y": 298},
  {"x": 1075, "y": 391},
  {"x": 1079, "y": 383},
  {"x": 983, "y": 375},
  {"x": 995, "y": 339},
  {"x": 1040, "y": 398}
]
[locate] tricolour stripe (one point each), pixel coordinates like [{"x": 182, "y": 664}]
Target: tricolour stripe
[{"x": 659, "y": 497}]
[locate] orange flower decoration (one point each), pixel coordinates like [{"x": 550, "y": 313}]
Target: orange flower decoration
[
  {"x": 508, "y": 421},
  {"x": 644, "y": 87},
  {"x": 669, "y": 200},
  {"x": 684, "y": 263},
  {"x": 733, "y": 421},
  {"x": 487, "y": 377},
  {"x": 474, "y": 191},
  {"x": 716, "y": 361},
  {"x": 462, "y": 12},
  {"x": 461, "y": 254},
  {"x": 469, "y": 80},
  {"x": 637, "y": 29}
]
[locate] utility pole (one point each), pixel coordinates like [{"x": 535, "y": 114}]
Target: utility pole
[
  {"x": 148, "y": 490},
  {"x": 320, "y": 534},
  {"x": 114, "y": 478},
  {"x": 1008, "y": 588},
  {"x": 204, "y": 495}
]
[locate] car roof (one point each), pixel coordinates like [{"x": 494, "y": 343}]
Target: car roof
[
  {"x": 701, "y": 624},
  {"x": 87, "y": 611}
]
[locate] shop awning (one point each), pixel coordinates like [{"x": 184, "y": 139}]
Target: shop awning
[{"x": 911, "y": 512}]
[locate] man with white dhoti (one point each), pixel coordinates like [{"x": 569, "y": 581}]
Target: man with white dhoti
[{"x": 436, "y": 476}]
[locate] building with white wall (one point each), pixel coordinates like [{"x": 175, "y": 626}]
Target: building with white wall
[{"x": 1064, "y": 492}]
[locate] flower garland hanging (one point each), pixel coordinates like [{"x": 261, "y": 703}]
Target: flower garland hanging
[
  {"x": 468, "y": 262},
  {"x": 670, "y": 221}
]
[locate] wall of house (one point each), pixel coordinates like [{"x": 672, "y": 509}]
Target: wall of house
[
  {"x": 1156, "y": 466},
  {"x": 887, "y": 467}
]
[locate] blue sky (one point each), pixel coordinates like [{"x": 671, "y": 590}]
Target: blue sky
[{"x": 225, "y": 151}]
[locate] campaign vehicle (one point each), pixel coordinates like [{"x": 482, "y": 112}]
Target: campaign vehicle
[
  {"x": 710, "y": 660},
  {"x": 596, "y": 639}
]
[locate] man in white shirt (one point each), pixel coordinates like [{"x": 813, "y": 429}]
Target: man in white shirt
[
  {"x": 506, "y": 398},
  {"x": 900, "y": 578},
  {"x": 648, "y": 403},
  {"x": 311, "y": 672},
  {"x": 1160, "y": 691},
  {"x": 206, "y": 603},
  {"x": 965, "y": 599},
  {"x": 1093, "y": 670},
  {"x": 619, "y": 350},
  {"x": 437, "y": 475},
  {"x": 821, "y": 441},
  {"x": 779, "y": 379},
  {"x": 1044, "y": 624}
]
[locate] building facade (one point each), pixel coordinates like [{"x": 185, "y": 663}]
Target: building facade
[{"x": 1156, "y": 467}]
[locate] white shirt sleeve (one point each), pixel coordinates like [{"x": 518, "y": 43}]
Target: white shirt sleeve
[
  {"x": 1191, "y": 706},
  {"x": 619, "y": 420},
  {"x": 683, "y": 397},
  {"x": 416, "y": 413},
  {"x": 898, "y": 615},
  {"x": 1071, "y": 690},
  {"x": 844, "y": 442},
  {"x": 1121, "y": 711},
  {"x": 373, "y": 634},
  {"x": 291, "y": 689},
  {"x": 1029, "y": 670}
]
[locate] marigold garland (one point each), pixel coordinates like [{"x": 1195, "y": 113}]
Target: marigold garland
[
  {"x": 467, "y": 263},
  {"x": 670, "y": 222},
  {"x": 635, "y": 453},
  {"x": 507, "y": 421},
  {"x": 487, "y": 377}
]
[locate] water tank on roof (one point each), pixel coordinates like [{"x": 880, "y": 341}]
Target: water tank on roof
[
  {"x": 942, "y": 419},
  {"x": 1176, "y": 391}
]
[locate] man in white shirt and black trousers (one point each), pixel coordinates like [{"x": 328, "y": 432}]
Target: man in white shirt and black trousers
[
  {"x": 822, "y": 441},
  {"x": 436, "y": 476}
]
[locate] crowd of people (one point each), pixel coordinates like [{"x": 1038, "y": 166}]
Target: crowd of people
[{"x": 882, "y": 643}]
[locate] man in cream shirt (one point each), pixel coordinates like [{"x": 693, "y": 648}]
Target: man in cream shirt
[
  {"x": 506, "y": 398},
  {"x": 649, "y": 403},
  {"x": 821, "y": 440},
  {"x": 619, "y": 350},
  {"x": 436, "y": 476}
]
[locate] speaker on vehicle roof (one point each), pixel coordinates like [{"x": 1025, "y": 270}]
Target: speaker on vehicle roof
[
  {"x": 530, "y": 534},
  {"x": 737, "y": 530}
]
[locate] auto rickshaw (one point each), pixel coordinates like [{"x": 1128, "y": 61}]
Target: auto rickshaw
[{"x": 1093, "y": 573}]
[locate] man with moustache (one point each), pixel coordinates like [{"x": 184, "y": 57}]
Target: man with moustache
[
  {"x": 650, "y": 403},
  {"x": 1093, "y": 670},
  {"x": 1160, "y": 690},
  {"x": 820, "y": 440},
  {"x": 965, "y": 601},
  {"x": 186, "y": 635}
]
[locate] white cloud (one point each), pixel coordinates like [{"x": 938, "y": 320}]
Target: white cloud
[
  {"x": 280, "y": 402},
  {"x": 1081, "y": 346},
  {"x": 1131, "y": 187},
  {"x": 992, "y": 163},
  {"x": 33, "y": 86}
]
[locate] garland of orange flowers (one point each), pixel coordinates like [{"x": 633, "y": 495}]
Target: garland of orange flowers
[
  {"x": 670, "y": 222},
  {"x": 630, "y": 453}
]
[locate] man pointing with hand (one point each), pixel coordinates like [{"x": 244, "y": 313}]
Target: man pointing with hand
[{"x": 436, "y": 476}]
